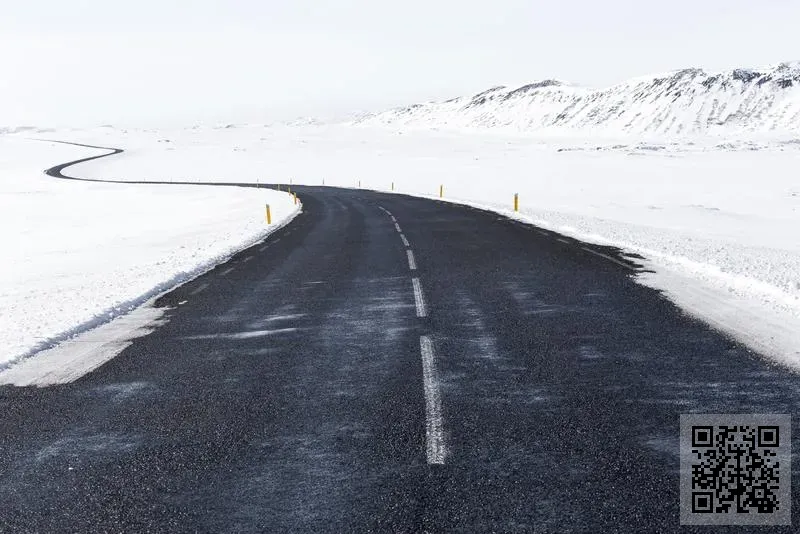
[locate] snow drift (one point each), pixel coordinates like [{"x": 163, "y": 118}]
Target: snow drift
[{"x": 684, "y": 102}]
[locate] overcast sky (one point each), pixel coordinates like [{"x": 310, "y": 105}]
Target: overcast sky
[{"x": 87, "y": 62}]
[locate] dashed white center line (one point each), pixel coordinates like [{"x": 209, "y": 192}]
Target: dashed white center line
[
  {"x": 419, "y": 298},
  {"x": 248, "y": 258},
  {"x": 262, "y": 249},
  {"x": 412, "y": 264},
  {"x": 434, "y": 435},
  {"x": 562, "y": 240},
  {"x": 393, "y": 219},
  {"x": 200, "y": 289},
  {"x": 405, "y": 241},
  {"x": 397, "y": 226},
  {"x": 226, "y": 271}
]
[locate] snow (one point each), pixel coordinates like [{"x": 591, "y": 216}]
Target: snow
[
  {"x": 77, "y": 254},
  {"x": 716, "y": 219},
  {"x": 679, "y": 103},
  {"x": 73, "y": 358}
]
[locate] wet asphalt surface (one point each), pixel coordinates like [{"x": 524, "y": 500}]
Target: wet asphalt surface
[{"x": 285, "y": 392}]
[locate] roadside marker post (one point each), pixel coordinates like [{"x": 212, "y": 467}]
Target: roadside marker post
[
  {"x": 516, "y": 201},
  {"x": 441, "y": 191},
  {"x": 269, "y": 215},
  {"x": 295, "y": 197},
  {"x": 392, "y": 186}
]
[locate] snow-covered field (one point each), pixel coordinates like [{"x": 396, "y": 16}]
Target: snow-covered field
[
  {"x": 76, "y": 254},
  {"x": 718, "y": 221}
]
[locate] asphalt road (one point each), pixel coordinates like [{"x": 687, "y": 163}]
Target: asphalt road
[{"x": 523, "y": 383}]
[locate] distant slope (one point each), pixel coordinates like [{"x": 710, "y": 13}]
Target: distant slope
[{"x": 683, "y": 102}]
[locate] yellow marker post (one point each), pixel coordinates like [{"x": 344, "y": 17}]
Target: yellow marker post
[
  {"x": 295, "y": 197},
  {"x": 516, "y": 201},
  {"x": 269, "y": 215},
  {"x": 441, "y": 191},
  {"x": 392, "y": 186}
]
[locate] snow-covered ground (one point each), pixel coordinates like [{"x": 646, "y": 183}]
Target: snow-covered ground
[
  {"x": 76, "y": 254},
  {"x": 717, "y": 220},
  {"x": 678, "y": 103}
]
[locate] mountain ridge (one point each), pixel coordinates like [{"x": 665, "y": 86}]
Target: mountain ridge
[{"x": 680, "y": 102}]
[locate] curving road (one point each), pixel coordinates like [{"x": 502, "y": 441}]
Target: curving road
[{"x": 386, "y": 364}]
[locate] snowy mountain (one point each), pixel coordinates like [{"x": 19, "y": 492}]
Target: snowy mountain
[{"x": 684, "y": 102}]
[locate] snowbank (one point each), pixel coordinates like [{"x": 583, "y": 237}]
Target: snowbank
[
  {"x": 76, "y": 254},
  {"x": 718, "y": 221}
]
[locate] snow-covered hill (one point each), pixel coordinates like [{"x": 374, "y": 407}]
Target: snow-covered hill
[{"x": 684, "y": 102}]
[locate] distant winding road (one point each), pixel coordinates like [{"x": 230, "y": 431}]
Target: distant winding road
[{"x": 386, "y": 364}]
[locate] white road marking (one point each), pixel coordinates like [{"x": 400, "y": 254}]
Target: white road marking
[
  {"x": 609, "y": 258},
  {"x": 262, "y": 249},
  {"x": 412, "y": 264},
  {"x": 434, "y": 435},
  {"x": 226, "y": 271},
  {"x": 248, "y": 258},
  {"x": 200, "y": 289},
  {"x": 397, "y": 226},
  {"x": 276, "y": 240},
  {"x": 405, "y": 241},
  {"x": 542, "y": 232},
  {"x": 419, "y": 298},
  {"x": 393, "y": 219},
  {"x": 562, "y": 240}
]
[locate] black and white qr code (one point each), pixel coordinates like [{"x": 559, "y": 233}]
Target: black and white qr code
[{"x": 736, "y": 469}]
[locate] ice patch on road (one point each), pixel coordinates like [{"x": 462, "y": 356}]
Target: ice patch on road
[
  {"x": 123, "y": 391},
  {"x": 253, "y": 334},
  {"x": 78, "y": 448}
]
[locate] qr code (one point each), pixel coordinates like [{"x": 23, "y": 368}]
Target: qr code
[{"x": 735, "y": 469}]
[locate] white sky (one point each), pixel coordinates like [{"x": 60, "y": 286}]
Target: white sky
[{"x": 87, "y": 62}]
